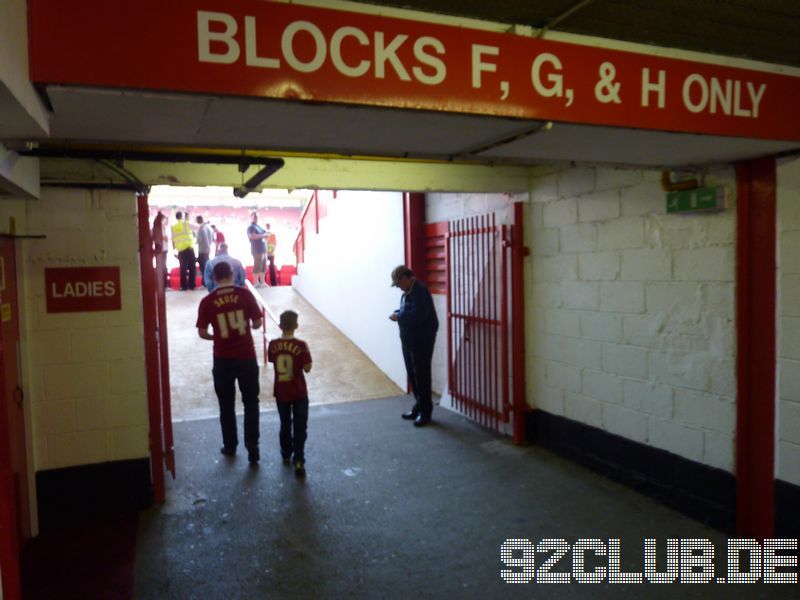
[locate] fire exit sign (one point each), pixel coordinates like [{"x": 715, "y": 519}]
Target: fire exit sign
[{"x": 697, "y": 200}]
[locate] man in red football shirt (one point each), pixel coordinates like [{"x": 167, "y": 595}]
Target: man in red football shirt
[
  {"x": 292, "y": 360},
  {"x": 230, "y": 310}
]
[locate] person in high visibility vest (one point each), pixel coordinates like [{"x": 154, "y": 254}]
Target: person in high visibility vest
[
  {"x": 272, "y": 241},
  {"x": 183, "y": 243}
]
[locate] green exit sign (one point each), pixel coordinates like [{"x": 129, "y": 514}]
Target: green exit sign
[{"x": 697, "y": 200}]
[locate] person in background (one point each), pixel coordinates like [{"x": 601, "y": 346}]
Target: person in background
[
  {"x": 160, "y": 223},
  {"x": 258, "y": 248},
  {"x": 205, "y": 237},
  {"x": 292, "y": 360},
  {"x": 418, "y": 325},
  {"x": 239, "y": 274},
  {"x": 232, "y": 311},
  {"x": 272, "y": 242},
  {"x": 219, "y": 238},
  {"x": 183, "y": 243}
]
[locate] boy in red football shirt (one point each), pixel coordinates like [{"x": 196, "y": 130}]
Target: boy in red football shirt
[
  {"x": 292, "y": 360},
  {"x": 230, "y": 310}
]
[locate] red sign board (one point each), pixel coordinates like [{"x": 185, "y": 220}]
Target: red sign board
[
  {"x": 289, "y": 51},
  {"x": 82, "y": 289}
]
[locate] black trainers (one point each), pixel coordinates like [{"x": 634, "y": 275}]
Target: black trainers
[
  {"x": 287, "y": 460},
  {"x": 227, "y": 451},
  {"x": 253, "y": 455},
  {"x": 299, "y": 468}
]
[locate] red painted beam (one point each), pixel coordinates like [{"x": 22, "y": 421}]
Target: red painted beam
[
  {"x": 414, "y": 222},
  {"x": 9, "y": 536},
  {"x": 518, "y": 254},
  {"x": 756, "y": 354}
]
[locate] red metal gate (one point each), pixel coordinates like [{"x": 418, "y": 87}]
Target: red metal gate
[{"x": 485, "y": 372}]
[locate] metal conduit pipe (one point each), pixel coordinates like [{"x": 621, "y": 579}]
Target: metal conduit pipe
[
  {"x": 556, "y": 20},
  {"x": 123, "y": 155}
]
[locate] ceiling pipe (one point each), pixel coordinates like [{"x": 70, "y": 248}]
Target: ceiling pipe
[
  {"x": 539, "y": 127},
  {"x": 555, "y": 21},
  {"x": 119, "y": 156}
]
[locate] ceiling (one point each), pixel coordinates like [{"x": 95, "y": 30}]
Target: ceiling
[{"x": 764, "y": 30}]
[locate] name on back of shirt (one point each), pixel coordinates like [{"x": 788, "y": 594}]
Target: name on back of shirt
[
  {"x": 223, "y": 299},
  {"x": 287, "y": 346}
]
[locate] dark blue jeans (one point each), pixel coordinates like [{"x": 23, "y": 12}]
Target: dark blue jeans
[
  {"x": 202, "y": 259},
  {"x": 188, "y": 267},
  {"x": 226, "y": 372},
  {"x": 294, "y": 420},
  {"x": 417, "y": 358}
]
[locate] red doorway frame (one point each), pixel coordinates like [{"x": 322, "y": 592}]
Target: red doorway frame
[
  {"x": 156, "y": 352},
  {"x": 416, "y": 246},
  {"x": 9, "y": 529}
]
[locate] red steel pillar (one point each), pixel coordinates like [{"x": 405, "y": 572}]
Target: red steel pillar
[
  {"x": 414, "y": 222},
  {"x": 755, "y": 348},
  {"x": 518, "y": 254}
]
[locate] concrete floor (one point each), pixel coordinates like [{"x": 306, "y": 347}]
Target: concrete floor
[
  {"x": 391, "y": 511},
  {"x": 341, "y": 373}
]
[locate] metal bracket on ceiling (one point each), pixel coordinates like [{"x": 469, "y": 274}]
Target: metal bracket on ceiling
[
  {"x": 539, "y": 127},
  {"x": 257, "y": 179},
  {"x": 558, "y": 18}
]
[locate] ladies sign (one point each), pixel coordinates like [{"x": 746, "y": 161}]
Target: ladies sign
[{"x": 82, "y": 289}]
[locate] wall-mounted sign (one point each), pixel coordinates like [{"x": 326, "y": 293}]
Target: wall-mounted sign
[
  {"x": 82, "y": 289},
  {"x": 305, "y": 53},
  {"x": 697, "y": 200}
]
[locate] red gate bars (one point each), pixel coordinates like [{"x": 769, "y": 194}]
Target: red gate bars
[{"x": 478, "y": 360}]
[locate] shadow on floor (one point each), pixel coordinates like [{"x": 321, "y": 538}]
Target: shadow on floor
[{"x": 391, "y": 511}]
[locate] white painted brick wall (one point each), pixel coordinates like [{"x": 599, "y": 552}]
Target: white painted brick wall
[
  {"x": 85, "y": 372},
  {"x": 584, "y": 409},
  {"x": 622, "y": 297},
  {"x": 606, "y": 327},
  {"x": 564, "y": 376},
  {"x": 646, "y": 265},
  {"x": 678, "y": 438},
  {"x": 629, "y": 361},
  {"x": 718, "y": 449},
  {"x": 616, "y": 179},
  {"x": 620, "y": 234},
  {"x": 604, "y": 266},
  {"x": 560, "y": 212},
  {"x": 561, "y": 322},
  {"x": 600, "y": 206},
  {"x": 627, "y": 423},
  {"x": 653, "y": 299},
  {"x": 602, "y": 386},
  {"x": 574, "y": 182},
  {"x": 788, "y": 383},
  {"x": 580, "y": 295},
  {"x": 581, "y": 237},
  {"x": 649, "y": 398}
]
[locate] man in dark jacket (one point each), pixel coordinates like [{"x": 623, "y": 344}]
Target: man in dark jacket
[{"x": 418, "y": 326}]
